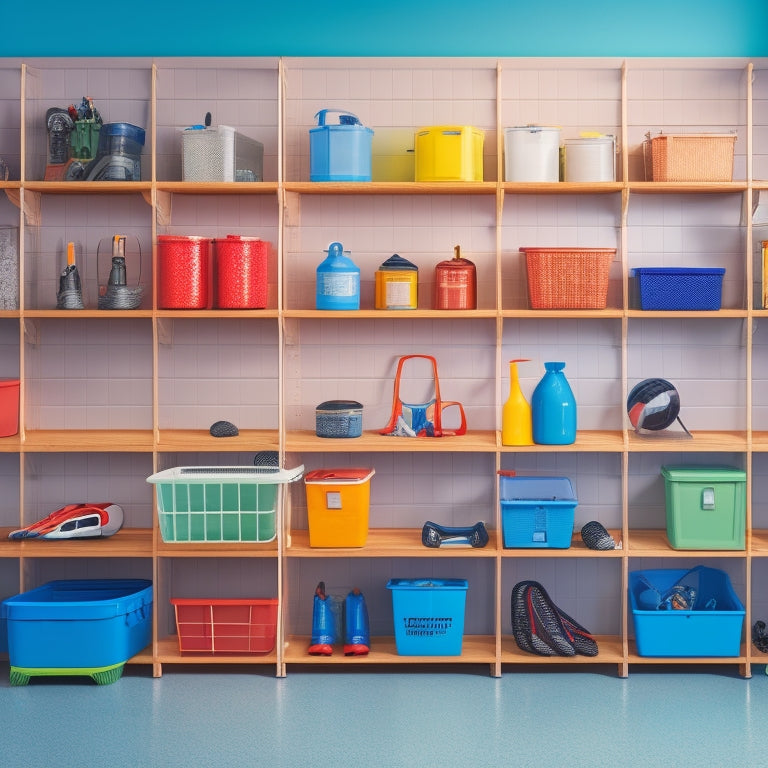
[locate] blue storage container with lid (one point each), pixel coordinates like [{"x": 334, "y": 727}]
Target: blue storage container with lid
[{"x": 340, "y": 152}]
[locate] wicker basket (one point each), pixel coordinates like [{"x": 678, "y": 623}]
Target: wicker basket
[
  {"x": 689, "y": 157},
  {"x": 568, "y": 278}
]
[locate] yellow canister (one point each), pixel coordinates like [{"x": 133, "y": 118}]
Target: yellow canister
[{"x": 397, "y": 284}]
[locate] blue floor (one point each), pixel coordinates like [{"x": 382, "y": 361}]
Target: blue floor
[{"x": 216, "y": 717}]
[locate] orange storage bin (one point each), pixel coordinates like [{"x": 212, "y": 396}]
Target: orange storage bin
[{"x": 338, "y": 503}]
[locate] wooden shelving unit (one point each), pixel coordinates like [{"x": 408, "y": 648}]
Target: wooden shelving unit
[{"x": 292, "y": 209}]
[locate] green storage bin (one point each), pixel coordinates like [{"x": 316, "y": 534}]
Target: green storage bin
[{"x": 706, "y": 507}]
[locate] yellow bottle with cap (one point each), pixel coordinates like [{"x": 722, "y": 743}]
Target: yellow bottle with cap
[{"x": 516, "y": 418}]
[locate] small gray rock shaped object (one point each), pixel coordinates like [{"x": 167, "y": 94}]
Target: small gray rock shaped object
[{"x": 224, "y": 429}]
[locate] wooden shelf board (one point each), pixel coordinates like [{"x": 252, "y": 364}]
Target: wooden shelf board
[
  {"x": 391, "y": 187},
  {"x": 217, "y": 550},
  {"x": 702, "y": 441},
  {"x": 476, "y": 649},
  {"x": 249, "y": 440},
  {"x": 687, "y": 187},
  {"x": 218, "y": 314},
  {"x": 218, "y": 187},
  {"x": 391, "y": 314},
  {"x": 168, "y": 653},
  {"x": 569, "y": 314},
  {"x": 577, "y": 549},
  {"x": 127, "y": 542},
  {"x": 586, "y": 440},
  {"x": 562, "y": 187},
  {"x": 654, "y": 543},
  {"x": 88, "y": 187},
  {"x": 387, "y": 542},
  {"x": 87, "y": 440},
  {"x": 306, "y": 440},
  {"x": 10, "y": 444},
  {"x": 610, "y": 651},
  {"x": 101, "y": 314}
]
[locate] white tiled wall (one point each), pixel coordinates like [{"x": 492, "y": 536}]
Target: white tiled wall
[{"x": 85, "y": 375}]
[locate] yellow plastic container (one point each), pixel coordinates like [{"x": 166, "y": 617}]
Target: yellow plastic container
[
  {"x": 449, "y": 153},
  {"x": 338, "y": 503},
  {"x": 397, "y": 284}
]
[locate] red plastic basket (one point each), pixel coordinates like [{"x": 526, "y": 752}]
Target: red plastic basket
[
  {"x": 226, "y": 626},
  {"x": 568, "y": 278}
]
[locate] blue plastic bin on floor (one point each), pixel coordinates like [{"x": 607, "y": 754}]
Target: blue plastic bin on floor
[
  {"x": 702, "y": 632},
  {"x": 82, "y": 626},
  {"x": 428, "y": 616},
  {"x": 537, "y": 512}
]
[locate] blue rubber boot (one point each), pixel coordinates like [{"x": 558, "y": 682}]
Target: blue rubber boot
[
  {"x": 323, "y": 624},
  {"x": 357, "y": 634}
]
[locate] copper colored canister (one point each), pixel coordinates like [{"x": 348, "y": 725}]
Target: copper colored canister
[{"x": 456, "y": 283}]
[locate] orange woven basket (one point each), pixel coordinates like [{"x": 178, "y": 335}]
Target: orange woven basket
[
  {"x": 689, "y": 157},
  {"x": 568, "y": 278}
]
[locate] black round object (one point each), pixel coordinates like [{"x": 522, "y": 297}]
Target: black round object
[
  {"x": 224, "y": 429},
  {"x": 595, "y": 536},
  {"x": 653, "y": 404}
]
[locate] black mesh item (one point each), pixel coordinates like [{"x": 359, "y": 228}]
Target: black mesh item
[
  {"x": 760, "y": 636},
  {"x": 540, "y": 627},
  {"x": 224, "y": 429},
  {"x": 535, "y": 625},
  {"x": 595, "y": 536}
]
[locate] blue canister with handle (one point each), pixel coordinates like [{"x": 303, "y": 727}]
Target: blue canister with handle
[
  {"x": 337, "y": 281},
  {"x": 340, "y": 152}
]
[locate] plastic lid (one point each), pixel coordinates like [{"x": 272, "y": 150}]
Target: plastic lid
[
  {"x": 427, "y": 584},
  {"x": 124, "y": 129},
  {"x": 702, "y": 473},
  {"x": 339, "y": 405},
  {"x": 395, "y": 261},
  {"x": 348, "y": 475},
  {"x": 9, "y": 382}
]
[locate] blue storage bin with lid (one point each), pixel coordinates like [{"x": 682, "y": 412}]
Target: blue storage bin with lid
[
  {"x": 536, "y": 512},
  {"x": 342, "y": 151},
  {"x": 77, "y": 627},
  {"x": 679, "y": 288}
]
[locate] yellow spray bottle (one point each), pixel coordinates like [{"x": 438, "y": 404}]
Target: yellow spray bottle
[{"x": 516, "y": 419}]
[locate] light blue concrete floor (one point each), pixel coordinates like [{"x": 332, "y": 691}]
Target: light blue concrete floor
[{"x": 216, "y": 717}]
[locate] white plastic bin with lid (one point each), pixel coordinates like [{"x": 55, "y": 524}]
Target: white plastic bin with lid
[
  {"x": 590, "y": 158},
  {"x": 532, "y": 153}
]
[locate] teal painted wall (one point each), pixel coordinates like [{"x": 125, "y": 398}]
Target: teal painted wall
[{"x": 395, "y": 28}]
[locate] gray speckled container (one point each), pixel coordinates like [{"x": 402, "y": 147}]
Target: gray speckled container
[{"x": 9, "y": 267}]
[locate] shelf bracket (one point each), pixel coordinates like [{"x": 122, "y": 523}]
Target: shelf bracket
[
  {"x": 163, "y": 205},
  {"x": 164, "y": 331},
  {"x": 31, "y": 207},
  {"x": 31, "y": 331}
]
